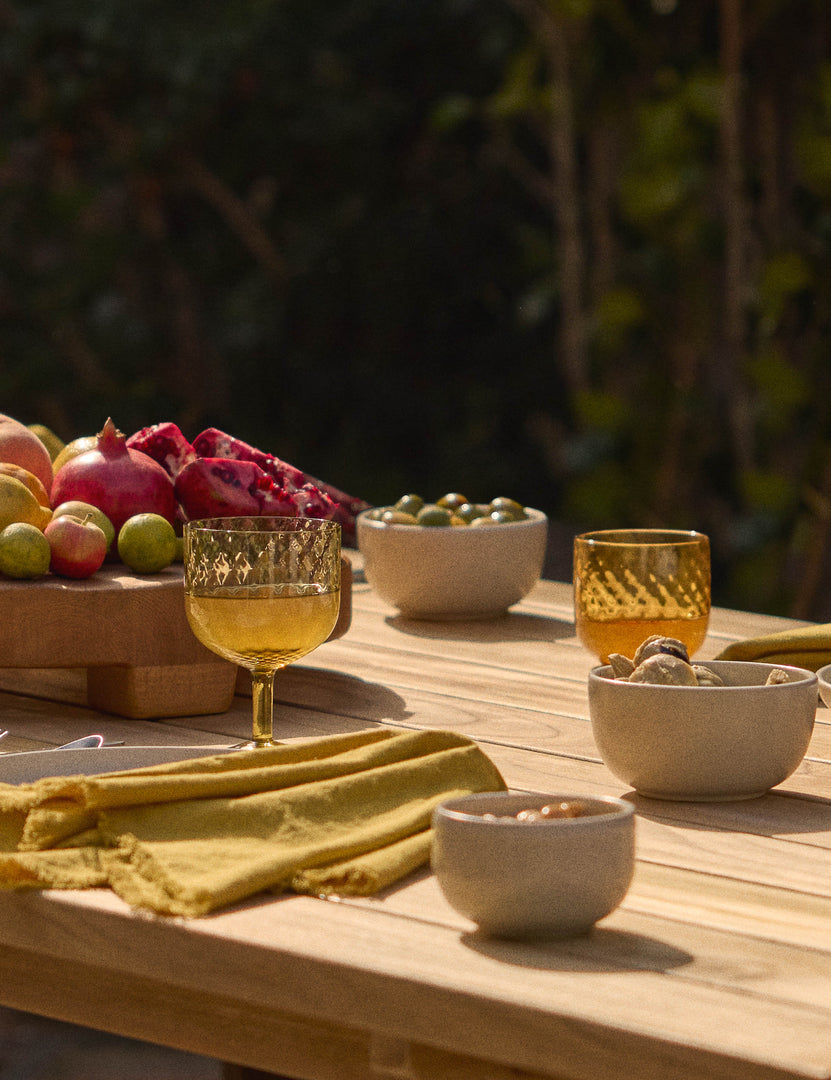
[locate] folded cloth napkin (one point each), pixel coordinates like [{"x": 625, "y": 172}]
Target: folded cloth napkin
[
  {"x": 805, "y": 647},
  {"x": 345, "y": 813}
]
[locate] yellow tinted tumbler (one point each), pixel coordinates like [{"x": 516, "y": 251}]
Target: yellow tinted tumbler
[{"x": 631, "y": 583}]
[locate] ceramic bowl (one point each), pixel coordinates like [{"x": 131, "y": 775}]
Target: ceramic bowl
[
  {"x": 549, "y": 878},
  {"x": 824, "y": 681},
  {"x": 704, "y": 743},
  {"x": 453, "y": 572}
]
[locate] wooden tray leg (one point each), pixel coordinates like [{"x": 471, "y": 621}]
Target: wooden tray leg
[{"x": 146, "y": 693}]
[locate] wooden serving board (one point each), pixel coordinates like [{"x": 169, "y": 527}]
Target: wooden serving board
[{"x": 131, "y": 634}]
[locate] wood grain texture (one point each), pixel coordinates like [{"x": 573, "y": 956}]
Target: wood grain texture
[
  {"x": 113, "y": 617},
  {"x": 130, "y": 634},
  {"x": 717, "y": 965}
]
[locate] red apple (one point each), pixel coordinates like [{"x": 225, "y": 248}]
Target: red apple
[{"x": 78, "y": 545}]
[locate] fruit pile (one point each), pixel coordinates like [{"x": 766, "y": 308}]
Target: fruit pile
[{"x": 66, "y": 508}]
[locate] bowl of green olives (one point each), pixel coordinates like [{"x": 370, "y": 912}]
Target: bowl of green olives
[{"x": 452, "y": 558}]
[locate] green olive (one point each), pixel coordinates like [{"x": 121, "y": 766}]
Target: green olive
[
  {"x": 452, "y": 500},
  {"x": 398, "y": 517},
  {"x": 432, "y": 514},
  {"x": 376, "y": 513},
  {"x": 484, "y": 522},
  {"x": 410, "y": 504},
  {"x": 470, "y": 511},
  {"x": 508, "y": 506}
]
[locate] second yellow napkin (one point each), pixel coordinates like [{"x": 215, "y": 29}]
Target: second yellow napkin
[
  {"x": 346, "y": 813},
  {"x": 806, "y": 647}
]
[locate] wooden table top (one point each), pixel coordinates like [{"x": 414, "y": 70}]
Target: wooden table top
[{"x": 716, "y": 965}]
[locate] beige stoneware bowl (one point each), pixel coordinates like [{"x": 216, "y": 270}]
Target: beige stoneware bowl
[
  {"x": 704, "y": 743},
  {"x": 824, "y": 680},
  {"x": 453, "y": 572},
  {"x": 545, "y": 879}
]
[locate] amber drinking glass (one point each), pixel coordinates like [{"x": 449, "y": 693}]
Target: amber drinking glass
[
  {"x": 262, "y": 592},
  {"x": 631, "y": 583}
]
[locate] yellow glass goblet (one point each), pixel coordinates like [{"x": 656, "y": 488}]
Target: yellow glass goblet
[
  {"x": 262, "y": 592},
  {"x": 632, "y": 583}
]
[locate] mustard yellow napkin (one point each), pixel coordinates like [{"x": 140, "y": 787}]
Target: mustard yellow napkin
[
  {"x": 346, "y": 813},
  {"x": 806, "y": 647}
]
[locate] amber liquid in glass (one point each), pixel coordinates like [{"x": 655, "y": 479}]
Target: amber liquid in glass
[
  {"x": 263, "y": 626},
  {"x": 624, "y": 635}
]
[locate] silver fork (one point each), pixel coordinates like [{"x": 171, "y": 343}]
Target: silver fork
[
  {"x": 86, "y": 741},
  {"x": 92, "y": 741}
]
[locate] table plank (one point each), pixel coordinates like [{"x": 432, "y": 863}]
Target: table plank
[{"x": 514, "y": 1004}]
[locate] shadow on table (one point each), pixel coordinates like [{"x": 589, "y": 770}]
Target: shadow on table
[
  {"x": 347, "y": 696},
  {"x": 778, "y": 813},
  {"x": 513, "y": 626},
  {"x": 601, "y": 949}
]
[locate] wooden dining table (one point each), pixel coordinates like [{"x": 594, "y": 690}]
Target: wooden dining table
[{"x": 716, "y": 965}]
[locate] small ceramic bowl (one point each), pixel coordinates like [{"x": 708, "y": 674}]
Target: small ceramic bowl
[
  {"x": 704, "y": 743},
  {"x": 453, "y": 572},
  {"x": 548, "y": 878},
  {"x": 824, "y": 681}
]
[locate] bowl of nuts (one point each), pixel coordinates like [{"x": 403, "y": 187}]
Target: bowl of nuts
[
  {"x": 714, "y": 731},
  {"x": 534, "y": 865},
  {"x": 452, "y": 559},
  {"x": 824, "y": 679}
]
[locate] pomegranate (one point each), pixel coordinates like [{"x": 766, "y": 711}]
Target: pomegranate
[
  {"x": 118, "y": 480},
  {"x": 20, "y": 446},
  {"x": 221, "y": 475},
  {"x": 166, "y": 444},
  {"x": 215, "y": 443},
  {"x": 219, "y": 487}
]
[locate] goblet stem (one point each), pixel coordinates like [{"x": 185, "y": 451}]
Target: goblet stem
[{"x": 262, "y": 687}]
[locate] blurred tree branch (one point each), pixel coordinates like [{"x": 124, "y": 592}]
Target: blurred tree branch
[
  {"x": 236, "y": 214},
  {"x": 728, "y": 370},
  {"x": 554, "y": 32}
]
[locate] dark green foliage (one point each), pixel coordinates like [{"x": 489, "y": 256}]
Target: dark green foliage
[{"x": 488, "y": 245}]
